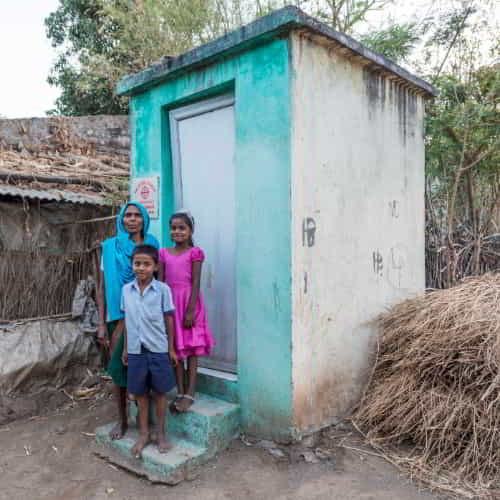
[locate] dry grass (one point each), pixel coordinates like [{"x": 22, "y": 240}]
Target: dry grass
[
  {"x": 66, "y": 158},
  {"x": 435, "y": 389},
  {"x": 43, "y": 287}
]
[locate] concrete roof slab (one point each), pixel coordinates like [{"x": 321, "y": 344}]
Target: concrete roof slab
[{"x": 276, "y": 24}]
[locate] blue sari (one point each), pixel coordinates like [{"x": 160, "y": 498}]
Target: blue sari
[{"x": 116, "y": 260}]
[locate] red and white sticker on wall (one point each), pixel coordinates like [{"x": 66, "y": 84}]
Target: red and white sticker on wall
[{"x": 146, "y": 190}]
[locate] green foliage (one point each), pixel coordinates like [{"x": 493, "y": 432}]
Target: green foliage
[
  {"x": 147, "y": 30},
  {"x": 462, "y": 146},
  {"x": 395, "y": 42},
  {"x": 79, "y": 30},
  {"x": 345, "y": 15},
  {"x": 463, "y": 131},
  {"x": 463, "y": 122}
]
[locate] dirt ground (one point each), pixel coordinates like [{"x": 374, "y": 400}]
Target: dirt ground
[{"x": 50, "y": 457}]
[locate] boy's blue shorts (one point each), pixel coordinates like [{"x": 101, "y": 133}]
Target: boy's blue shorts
[{"x": 149, "y": 371}]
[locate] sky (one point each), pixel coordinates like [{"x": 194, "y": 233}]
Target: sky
[{"x": 27, "y": 55}]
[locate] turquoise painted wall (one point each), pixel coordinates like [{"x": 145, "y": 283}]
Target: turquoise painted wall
[{"x": 259, "y": 78}]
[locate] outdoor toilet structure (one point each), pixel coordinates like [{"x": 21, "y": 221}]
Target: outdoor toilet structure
[{"x": 300, "y": 154}]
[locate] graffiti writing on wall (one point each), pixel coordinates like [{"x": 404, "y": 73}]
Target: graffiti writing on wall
[
  {"x": 308, "y": 232},
  {"x": 397, "y": 273},
  {"x": 395, "y": 265},
  {"x": 394, "y": 208},
  {"x": 378, "y": 263}
]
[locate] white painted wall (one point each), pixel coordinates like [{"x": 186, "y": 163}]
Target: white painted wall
[{"x": 358, "y": 172}]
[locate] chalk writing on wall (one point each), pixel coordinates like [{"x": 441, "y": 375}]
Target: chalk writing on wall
[
  {"x": 308, "y": 232},
  {"x": 396, "y": 271},
  {"x": 394, "y": 207},
  {"x": 378, "y": 263}
]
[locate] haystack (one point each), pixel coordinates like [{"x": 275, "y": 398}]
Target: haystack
[{"x": 436, "y": 386}]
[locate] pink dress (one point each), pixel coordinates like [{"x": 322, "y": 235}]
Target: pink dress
[{"x": 196, "y": 341}]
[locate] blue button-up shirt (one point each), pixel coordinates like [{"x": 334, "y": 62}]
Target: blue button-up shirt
[{"x": 144, "y": 316}]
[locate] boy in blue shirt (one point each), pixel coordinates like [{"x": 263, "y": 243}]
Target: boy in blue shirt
[{"x": 149, "y": 343}]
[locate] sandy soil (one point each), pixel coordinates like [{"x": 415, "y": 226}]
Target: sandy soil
[{"x": 50, "y": 457}]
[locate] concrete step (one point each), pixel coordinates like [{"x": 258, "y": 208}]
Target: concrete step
[
  {"x": 170, "y": 468},
  {"x": 197, "y": 435},
  {"x": 210, "y": 422}
]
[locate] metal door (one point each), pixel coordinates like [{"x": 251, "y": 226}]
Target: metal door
[{"x": 203, "y": 139}]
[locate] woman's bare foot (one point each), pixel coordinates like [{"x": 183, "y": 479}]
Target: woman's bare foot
[
  {"x": 139, "y": 446},
  {"x": 118, "y": 431},
  {"x": 185, "y": 403}
]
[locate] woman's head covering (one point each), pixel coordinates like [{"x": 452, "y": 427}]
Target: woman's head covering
[
  {"x": 120, "y": 226},
  {"x": 125, "y": 245},
  {"x": 116, "y": 255}
]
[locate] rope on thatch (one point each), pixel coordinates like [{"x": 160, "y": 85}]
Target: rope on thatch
[{"x": 436, "y": 386}]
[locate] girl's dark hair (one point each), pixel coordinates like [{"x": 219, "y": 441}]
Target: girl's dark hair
[
  {"x": 188, "y": 220},
  {"x": 146, "y": 250}
]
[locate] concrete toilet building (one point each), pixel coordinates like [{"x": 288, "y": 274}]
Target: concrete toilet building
[{"x": 300, "y": 154}]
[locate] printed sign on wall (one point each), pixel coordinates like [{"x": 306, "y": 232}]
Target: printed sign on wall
[{"x": 146, "y": 190}]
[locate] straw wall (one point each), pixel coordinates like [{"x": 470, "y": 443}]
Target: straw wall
[{"x": 45, "y": 251}]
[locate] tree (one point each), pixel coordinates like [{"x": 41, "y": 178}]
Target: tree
[
  {"x": 147, "y": 30},
  {"x": 345, "y": 15},
  {"x": 395, "y": 41},
  {"x": 79, "y": 30},
  {"x": 462, "y": 147}
]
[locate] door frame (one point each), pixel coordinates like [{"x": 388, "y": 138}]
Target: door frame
[
  {"x": 176, "y": 115},
  {"x": 183, "y": 113}
]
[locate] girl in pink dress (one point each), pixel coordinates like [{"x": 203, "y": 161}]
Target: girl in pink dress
[{"x": 180, "y": 268}]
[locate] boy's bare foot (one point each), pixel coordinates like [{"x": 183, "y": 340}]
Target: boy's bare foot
[
  {"x": 118, "y": 431},
  {"x": 159, "y": 438},
  {"x": 139, "y": 446}
]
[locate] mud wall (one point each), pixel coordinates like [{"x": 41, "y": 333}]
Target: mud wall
[{"x": 108, "y": 133}]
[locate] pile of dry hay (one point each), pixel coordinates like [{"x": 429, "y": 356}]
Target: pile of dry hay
[{"x": 436, "y": 387}]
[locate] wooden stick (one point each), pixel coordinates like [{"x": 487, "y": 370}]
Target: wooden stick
[
  {"x": 39, "y": 318},
  {"x": 359, "y": 450},
  {"x": 53, "y": 180},
  {"x": 97, "y": 219}
]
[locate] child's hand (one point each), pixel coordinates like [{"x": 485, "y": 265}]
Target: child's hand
[
  {"x": 173, "y": 357},
  {"x": 188, "y": 320},
  {"x": 125, "y": 358}
]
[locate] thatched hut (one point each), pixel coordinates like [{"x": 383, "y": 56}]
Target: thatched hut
[{"x": 61, "y": 180}]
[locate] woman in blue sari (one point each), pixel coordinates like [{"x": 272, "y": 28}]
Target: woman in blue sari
[{"x": 132, "y": 228}]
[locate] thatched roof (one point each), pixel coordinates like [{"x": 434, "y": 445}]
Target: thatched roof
[{"x": 77, "y": 159}]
